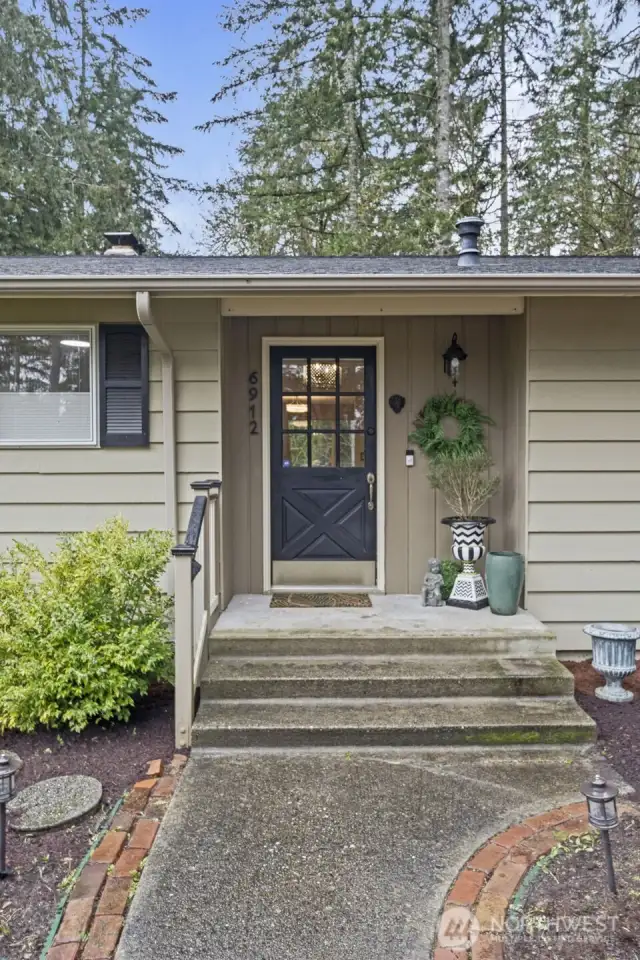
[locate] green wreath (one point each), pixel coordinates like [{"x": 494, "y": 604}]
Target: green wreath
[{"x": 429, "y": 434}]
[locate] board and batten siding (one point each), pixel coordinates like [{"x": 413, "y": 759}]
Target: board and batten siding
[
  {"x": 46, "y": 491},
  {"x": 583, "y": 463},
  {"x": 413, "y": 348}
]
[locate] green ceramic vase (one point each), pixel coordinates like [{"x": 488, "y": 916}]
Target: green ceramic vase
[{"x": 505, "y": 577}]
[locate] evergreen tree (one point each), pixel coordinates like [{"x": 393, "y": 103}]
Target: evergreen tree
[
  {"x": 318, "y": 169},
  {"x": 32, "y": 79},
  {"x": 578, "y": 178},
  {"x": 77, "y": 155},
  {"x": 114, "y": 166}
]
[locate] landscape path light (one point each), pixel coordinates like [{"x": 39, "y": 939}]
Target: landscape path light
[
  {"x": 603, "y": 815},
  {"x": 8, "y": 768}
]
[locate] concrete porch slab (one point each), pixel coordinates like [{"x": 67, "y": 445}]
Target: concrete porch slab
[
  {"x": 329, "y": 855},
  {"x": 391, "y": 615}
]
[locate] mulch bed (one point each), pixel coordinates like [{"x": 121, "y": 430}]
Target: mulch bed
[
  {"x": 618, "y": 723},
  {"x": 566, "y": 912},
  {"x": 117, "y": 755}
]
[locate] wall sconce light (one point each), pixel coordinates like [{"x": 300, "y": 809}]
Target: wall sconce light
[
  {"x": 396, "y": 402},
  {"x": 453, "y": 357}
]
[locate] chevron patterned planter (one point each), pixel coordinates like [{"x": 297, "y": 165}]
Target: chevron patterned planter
[{"x": 468, "y": 547}]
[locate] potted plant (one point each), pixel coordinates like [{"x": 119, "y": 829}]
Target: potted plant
[{"x": 466, "y": 484}]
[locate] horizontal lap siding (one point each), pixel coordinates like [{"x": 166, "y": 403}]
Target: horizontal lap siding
[
  {"x": 46, "y": 492},
  {"x": 584, "y": 463},
  {"x": 192, "y": 331}
]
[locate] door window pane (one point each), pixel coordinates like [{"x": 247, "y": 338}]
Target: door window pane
[
  {"x": 352, "y": 413},
  {"x": 295, "y": 413},
  {"x": 323, "y": 376},
  {"x": 294, "y": 376},
  {"x": 323, "y": 413},
  {"x": 323, "y": 450},
  {"x": 352, "y": 450},
  {"x": 294, "y": 450},
  {"x": 352, "y": 376}
]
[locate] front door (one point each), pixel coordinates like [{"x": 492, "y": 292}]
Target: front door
[{"x": 323, "y": 465}]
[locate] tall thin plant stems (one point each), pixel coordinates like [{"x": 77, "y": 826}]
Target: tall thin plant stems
[{"x": 465, "y": 482}]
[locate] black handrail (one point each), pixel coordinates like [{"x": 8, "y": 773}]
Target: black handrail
[{"x": 190, "y": 546}]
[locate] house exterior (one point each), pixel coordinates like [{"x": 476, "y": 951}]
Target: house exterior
[{"x": 152, "y": 373}]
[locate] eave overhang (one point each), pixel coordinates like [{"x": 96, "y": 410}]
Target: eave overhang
[{"x": 544, "y": 284}]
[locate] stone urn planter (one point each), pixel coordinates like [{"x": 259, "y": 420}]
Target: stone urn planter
[
  {"x": 468, "y": 547},
  {"x": 614, "y": 656},
  {"x": 505, "y": 577}
]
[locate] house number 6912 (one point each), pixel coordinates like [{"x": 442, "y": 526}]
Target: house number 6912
[{"x": 253, "y": 396}]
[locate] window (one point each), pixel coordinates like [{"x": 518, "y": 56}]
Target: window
[
  {"x": 47, "y": 387},
  {"x": 323, "y": 412}
]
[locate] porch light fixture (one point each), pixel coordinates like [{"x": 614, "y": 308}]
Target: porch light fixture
[
  {"x": 8, "y": 767},
  {"x": 453, "y": 356},
  {"x": 603, "y": 815}
]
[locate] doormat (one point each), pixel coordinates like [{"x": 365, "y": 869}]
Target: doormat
[{"x": 320, "y": 600}]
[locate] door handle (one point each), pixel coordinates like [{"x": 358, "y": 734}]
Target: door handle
[{"x": 371, "y": 479}]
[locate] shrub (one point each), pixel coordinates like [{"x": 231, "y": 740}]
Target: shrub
[
  {"x": 450, "y": 570},
  {"x": 84, "y": 631},
  {"x": 465, "y": 482}
]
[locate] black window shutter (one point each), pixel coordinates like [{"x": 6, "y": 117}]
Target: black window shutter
[{"x": 124, "y": 386}]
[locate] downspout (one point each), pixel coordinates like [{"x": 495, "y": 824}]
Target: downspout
[{"x": 148, "y": 321}]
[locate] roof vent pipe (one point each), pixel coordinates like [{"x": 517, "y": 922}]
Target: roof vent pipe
[
  {"x": 122, "y": 245},
  {"x": 469, "y": 230}
]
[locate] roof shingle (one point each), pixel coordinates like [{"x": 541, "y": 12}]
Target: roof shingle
[{"x": 79, "y": 267}]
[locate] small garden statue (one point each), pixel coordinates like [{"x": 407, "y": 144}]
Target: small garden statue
[{"x": 433, "y": 584}]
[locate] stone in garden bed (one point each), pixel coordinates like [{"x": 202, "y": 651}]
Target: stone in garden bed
[
  {"x": 564, "y": 910},
  {"x": 54, "y": 803}
]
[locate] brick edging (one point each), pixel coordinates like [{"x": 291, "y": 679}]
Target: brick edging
[
  {"x": 490, "y": 878},
  {"x": 93, "y": 918}
]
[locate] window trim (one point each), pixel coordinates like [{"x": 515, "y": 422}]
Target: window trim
[{"x": 47, "y": 330}]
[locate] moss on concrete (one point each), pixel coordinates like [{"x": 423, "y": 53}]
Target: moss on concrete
[{"x": 546, "y": 736}]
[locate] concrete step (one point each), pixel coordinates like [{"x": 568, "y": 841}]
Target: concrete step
[
  {"x": 246, "y": 678},
  {"x": 460, "y": 721},
  {"x": 378, "y": 643}
]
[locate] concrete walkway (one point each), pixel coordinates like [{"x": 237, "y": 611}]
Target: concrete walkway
[{"x": 328, "y": 855}]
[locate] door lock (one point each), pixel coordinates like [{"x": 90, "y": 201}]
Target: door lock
[{"x": 371, "y": 479}]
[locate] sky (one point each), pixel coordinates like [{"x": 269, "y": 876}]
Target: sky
[{"x": 183, "y": 39}]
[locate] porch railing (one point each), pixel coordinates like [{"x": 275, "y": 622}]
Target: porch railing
[{"x": 197, "y": 599}]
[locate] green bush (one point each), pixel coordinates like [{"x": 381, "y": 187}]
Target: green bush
[
  {"x": 84, "y": 631},
  {"x": 450, "y": 570}
]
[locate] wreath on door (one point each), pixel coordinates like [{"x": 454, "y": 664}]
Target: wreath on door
[{"x": 429, "y": 432}]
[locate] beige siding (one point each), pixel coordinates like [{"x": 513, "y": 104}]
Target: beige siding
[
  {"x": 584, "y": 463},
  {"x": 47, "y": 491},
  {"x": 413, "y": 348}
]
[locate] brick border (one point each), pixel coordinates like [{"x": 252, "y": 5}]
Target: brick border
[
  {"x": 94, "y": 914},
  {"x": 490, "y": 878}
]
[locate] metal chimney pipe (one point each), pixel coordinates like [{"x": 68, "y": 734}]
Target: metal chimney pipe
[
  {"x": 469, "y": 230},
  {"x": 122, "y": 244}
]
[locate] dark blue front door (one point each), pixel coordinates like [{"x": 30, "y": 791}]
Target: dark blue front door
[{"x": 323, "y": 453}]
